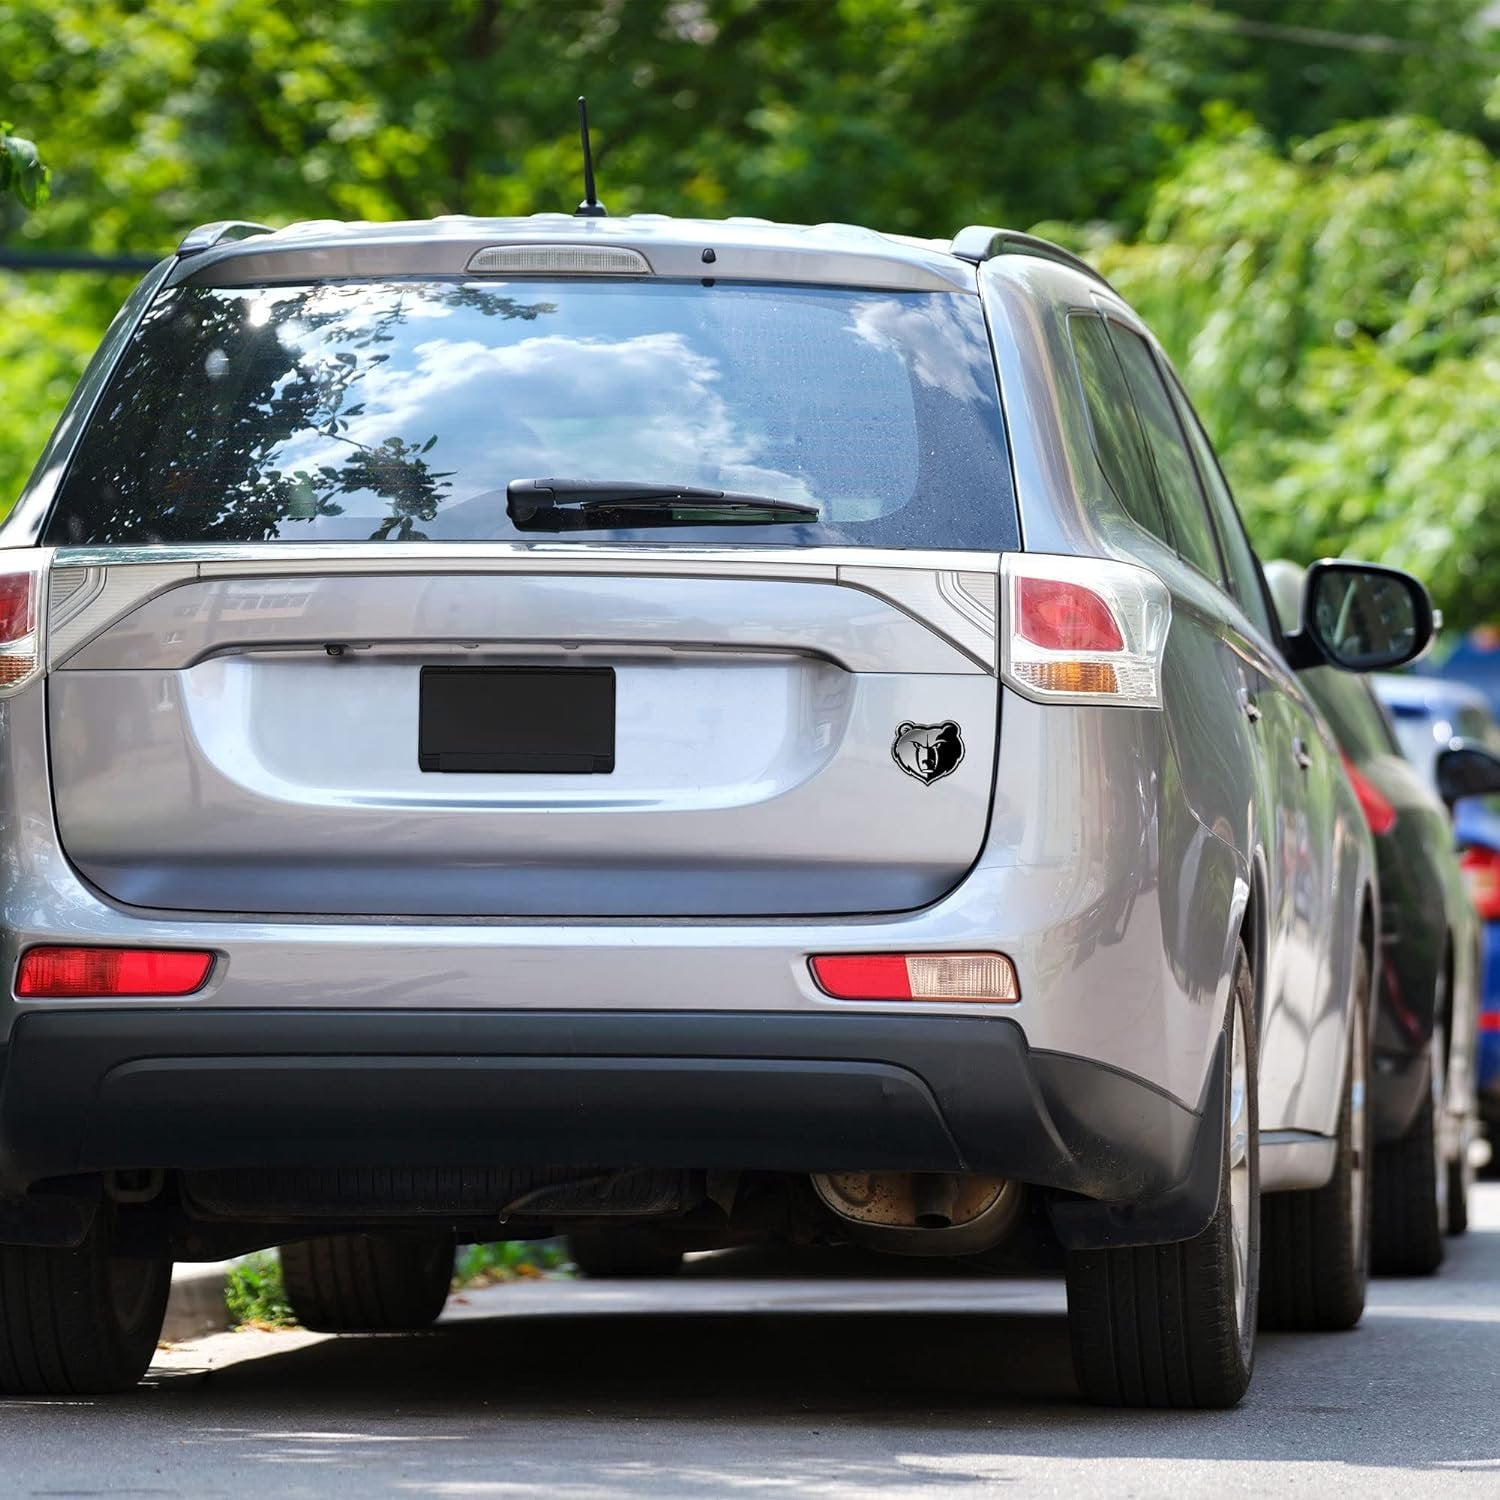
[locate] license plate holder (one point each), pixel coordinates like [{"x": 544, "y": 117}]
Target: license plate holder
[{"x": 557, "y": 721}]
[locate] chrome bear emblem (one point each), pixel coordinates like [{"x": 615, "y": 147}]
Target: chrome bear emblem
[{"x": 928, "y": 751}]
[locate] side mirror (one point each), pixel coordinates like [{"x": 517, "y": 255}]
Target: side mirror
[
  {"x": 1464, "y": 769},
  {"x": 1361, "y": 617}
]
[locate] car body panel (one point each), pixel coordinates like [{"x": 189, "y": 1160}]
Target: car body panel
[{"x": 1116, "y": 855}]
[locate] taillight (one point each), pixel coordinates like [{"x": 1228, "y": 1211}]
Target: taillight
[
  {"x": 87, "y": 973},
  {"x": 1083, "y": 629},
  {"x": 20, "y": 606},
  {"x": 1481, "y": 869},
  {"x": 1379, "y": 813},
  {"x": 917, "y": 976}
]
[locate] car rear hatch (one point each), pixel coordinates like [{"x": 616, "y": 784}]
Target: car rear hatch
[
  {"x": 306, "y": 656},
  {"x": 248, "y": 737}
]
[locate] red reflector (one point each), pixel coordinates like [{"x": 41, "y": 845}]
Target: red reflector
[
  {"x": 1061, "y": 616},
  {"x": 80, "y": 973},
  {"x": 17, "y": 611},
  {"x": 1379, "y": 813},
  {"x": 1489, "y": 1020},
  {"x": 1481, "y": 869},
  {"x": 877, "y": 976}
]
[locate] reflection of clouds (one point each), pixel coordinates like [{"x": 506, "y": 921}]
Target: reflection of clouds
[
  {"x": 930, "y": 336},
  {"x": 647, "y": 406}
]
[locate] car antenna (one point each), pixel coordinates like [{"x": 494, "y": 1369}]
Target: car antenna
[{"x": 591, "y": 207}]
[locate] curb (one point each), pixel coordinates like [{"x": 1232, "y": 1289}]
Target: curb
[{"x": 196, "y": 1304}]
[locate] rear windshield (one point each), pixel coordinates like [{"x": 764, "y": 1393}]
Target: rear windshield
[{"x": 399, "y": 411}]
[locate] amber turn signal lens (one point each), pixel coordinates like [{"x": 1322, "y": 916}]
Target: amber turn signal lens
[{"x": 1069, "y": 676}]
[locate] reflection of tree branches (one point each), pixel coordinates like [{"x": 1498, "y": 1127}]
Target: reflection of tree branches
[
  {"x": 396, "y": 471},
  {"x": 217, "y": 383}
]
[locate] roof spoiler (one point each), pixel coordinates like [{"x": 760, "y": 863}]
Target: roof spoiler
[{"x": 206, "y": 236}]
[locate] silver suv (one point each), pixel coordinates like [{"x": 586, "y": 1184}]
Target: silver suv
[{"x": 667, "y": 732}]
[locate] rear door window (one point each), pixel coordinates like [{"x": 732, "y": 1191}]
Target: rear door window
[
  {"x": 1178, "y": 479},
  {"x": 400, "y": 411},
  {"x": 1119, "y": 443},
  {"x": 1244, "y": 571}
]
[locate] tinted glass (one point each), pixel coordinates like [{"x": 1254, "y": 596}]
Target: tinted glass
[
  {"x": 396, "y": 411},
  {"x": 1119, "y": 444},
  {"x": 1244, "y": 572},
  {"x": 1180, "y": 493}
]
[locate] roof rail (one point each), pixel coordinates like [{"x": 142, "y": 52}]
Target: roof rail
[
  {"x": 206, "y": 236},
  {"x": 981, "y": 242}
]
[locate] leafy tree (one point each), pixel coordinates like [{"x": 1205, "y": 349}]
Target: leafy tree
[
  {"x": 1322, "y": 279},
  {"x": 22, "y": 172},
  {"x": 1333, "y": 310}
]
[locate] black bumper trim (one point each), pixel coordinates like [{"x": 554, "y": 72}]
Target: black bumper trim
[{"x": 93, "y": 1090}]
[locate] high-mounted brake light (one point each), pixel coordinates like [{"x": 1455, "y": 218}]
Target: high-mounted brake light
[
  {"x": 1481, "y": 869},
  {"x": 1083, "y": 629},
  {"x": 20, "y": 605},
  {"x": 89, "y": 973},
  {"x": 1379, "y": 813},
  {"x": 917, "y": 976},
  {"x": 561, "y": 260}
]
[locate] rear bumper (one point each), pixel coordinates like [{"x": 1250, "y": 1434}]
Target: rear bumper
[{"x": 91, "y": 1091}]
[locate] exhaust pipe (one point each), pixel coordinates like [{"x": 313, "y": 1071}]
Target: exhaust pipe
[
  {"x": 934, "y": 1199},
  {"x": 921, "y": 1213}
]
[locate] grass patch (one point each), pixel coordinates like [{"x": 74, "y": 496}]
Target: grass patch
[
  {"x": 255, "y": 1295},
  {"x": 509, "y": 1260}
]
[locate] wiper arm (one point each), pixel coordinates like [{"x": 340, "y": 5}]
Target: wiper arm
[{"x": 605, "y": 504}]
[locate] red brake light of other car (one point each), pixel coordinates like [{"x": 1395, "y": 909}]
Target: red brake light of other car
[
  {"x": 89, "y": 973},
  {"x": 1481, "y": 869},
  {"x": 1379, "y": 813}
]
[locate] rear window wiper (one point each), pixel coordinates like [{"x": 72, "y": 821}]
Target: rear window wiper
[{"x": 604, "y": 504}]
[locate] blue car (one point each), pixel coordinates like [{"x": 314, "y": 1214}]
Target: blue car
[{"x": 1426, "y": 713}]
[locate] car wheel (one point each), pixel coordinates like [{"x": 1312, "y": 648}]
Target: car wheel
[
  {"x": 624, "y": 1252},
  {"x": 1174, "y": 1325},
  {"x": 1317, "y": 1258},
  {"x": 367, "y": 1283},
  {"x": 78, "y": 1322},
  {"x": 1411, "y": 1186}
]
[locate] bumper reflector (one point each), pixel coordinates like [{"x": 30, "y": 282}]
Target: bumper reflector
[
  {"x": 917, "y": 976},
  {"x": 87, "y": 973}
]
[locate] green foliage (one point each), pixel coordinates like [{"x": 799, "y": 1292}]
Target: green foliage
[
  {"x": 254, "y": 1292},
  {"x": 21, "y": 170},
  {"x": 1324, "y": 282},
  {"x": 508, "y": 1260},
  {"x": 1333, "y": 310}
]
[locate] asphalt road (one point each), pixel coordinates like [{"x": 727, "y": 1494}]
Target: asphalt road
[{"x": 728, "y": 1383}]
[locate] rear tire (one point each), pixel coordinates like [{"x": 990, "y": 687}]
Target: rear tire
[
  {"x": 1317, "y": 1243},
  {"x": 1174, "y": 1325},
  {"x": 1407, "y": 1231},
  {"x": 609, "y": 1253},
  {"x": 78, "y": 1322},
  {"x": 367, "y": 1283}
]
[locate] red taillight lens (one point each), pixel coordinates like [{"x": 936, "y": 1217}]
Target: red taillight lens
[
  {"x": 917, "y": 976},
  {"x": 83, "y": 973},
  {"x": 1481, "y": 869},
  {"x": 17, "y": 606},
  {"x": 1062, "y": 616},
  {"x": 1379, "y": 813}
]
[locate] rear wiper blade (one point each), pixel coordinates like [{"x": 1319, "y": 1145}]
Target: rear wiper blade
[{"x": 605, "y": 504}]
